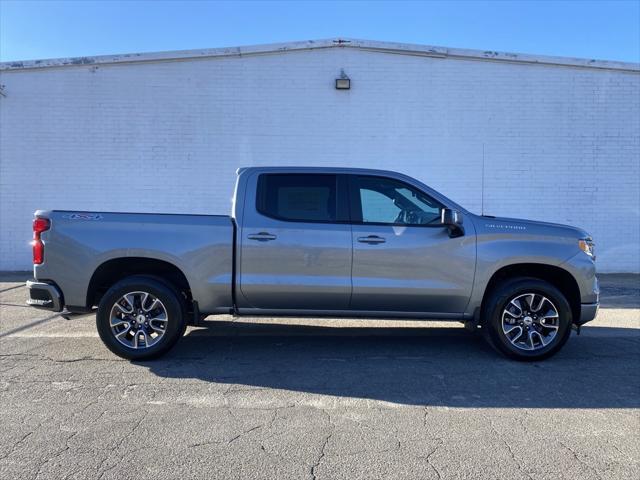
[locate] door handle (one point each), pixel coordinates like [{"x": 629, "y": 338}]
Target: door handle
[
  {"x": 261, "y": 237},
  {"x": 371, "y": 239}
]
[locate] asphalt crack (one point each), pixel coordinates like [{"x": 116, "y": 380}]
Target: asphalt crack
[
  {"x": 244, "y": 433},
  {"x": 16, "y": 444},
  {"x": 54, "y": 360},
  {"x": 57, "y": 454},
  {"x": 431, "y": 453},
  {"x": 266, "y": 426},
  {"x": 323, "y": 448},
  {"x": 117, "y": 446},
  {"x": 511, "y": 453},
  {"x": 579, "y": 460}
]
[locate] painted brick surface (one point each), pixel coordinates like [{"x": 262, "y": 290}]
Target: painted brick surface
[{"x": 560, "y": 144}]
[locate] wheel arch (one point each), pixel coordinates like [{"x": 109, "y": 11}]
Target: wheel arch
[
  {"x": 112, "y": 271},
  {"x": 560, "y": 278}
]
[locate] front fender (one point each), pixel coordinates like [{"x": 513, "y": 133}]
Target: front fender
[{"x": 503, "y": 249}]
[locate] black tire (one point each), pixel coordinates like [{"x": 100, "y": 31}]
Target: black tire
[
  {"x": 170, "y": 299},
  {"x": 499, "y": 298}
]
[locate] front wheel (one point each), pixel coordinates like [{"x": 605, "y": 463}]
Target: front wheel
[
  {"x": 527, "y": 319},
  {"x": 140, "y": 318}
]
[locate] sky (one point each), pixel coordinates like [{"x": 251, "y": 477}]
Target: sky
[{"x": 606, "y": 30}]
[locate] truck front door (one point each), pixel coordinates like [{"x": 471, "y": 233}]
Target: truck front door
[{"x": 403, "y": 259}]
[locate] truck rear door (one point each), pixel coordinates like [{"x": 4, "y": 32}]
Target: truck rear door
[{"x": 295, "y": 243}]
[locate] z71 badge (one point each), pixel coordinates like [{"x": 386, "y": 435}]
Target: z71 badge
[{"x": 83, "y": 216}]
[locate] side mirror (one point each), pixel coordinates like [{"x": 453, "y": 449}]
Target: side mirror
[{"x": 452, "y": 219}]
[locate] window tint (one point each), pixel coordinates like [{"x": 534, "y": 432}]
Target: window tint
[
  {"x": 305, "y": 197},
  {"x": 376, "y": 207},
  {"x": 384, "y": 200}
]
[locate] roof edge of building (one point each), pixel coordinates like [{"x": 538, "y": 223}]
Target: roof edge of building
[{"x": 369, "y": 45}]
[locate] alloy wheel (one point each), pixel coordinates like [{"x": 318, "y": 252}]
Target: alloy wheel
[
  {"x": 530, "y": 321},
  {"x": 138, "y": 320}
]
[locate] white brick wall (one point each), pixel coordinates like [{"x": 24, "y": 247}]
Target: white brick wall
[{"x": 560, "y": 143}]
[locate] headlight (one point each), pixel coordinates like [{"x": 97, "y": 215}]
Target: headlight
[{"x": 587, "y": 246}]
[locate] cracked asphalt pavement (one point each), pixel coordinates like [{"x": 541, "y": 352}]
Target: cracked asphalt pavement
[{"x": 318, "y": 399}]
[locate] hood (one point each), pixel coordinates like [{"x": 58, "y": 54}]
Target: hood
[{"x": 520, "y": 224}]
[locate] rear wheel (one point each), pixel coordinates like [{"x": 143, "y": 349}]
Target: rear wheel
[
  {"x": 140, "y": 318},
  {"x": 527, "y": 319}
]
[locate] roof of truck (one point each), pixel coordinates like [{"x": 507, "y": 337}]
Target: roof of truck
[
  {"x": 358, "y": 171},
  {"x": 312, "y": 169}
]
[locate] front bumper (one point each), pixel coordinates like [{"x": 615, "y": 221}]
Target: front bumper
[
  {"x": 588, "y": 312},
  {"x": 44, "y": 295}
]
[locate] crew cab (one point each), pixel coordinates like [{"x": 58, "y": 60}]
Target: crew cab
[{"x": 317, "y": 242}]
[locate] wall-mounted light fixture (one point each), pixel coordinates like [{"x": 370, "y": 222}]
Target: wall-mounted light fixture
[{"x": 344, "y": 82}]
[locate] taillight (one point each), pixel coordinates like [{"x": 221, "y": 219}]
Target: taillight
[{"x": 39, "y": 225}]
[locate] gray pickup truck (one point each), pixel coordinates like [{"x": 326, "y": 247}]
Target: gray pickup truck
[{"x": 332, "y": 242}]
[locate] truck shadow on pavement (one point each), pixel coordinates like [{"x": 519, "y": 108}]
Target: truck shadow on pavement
[{"x": 412, "y": 366}]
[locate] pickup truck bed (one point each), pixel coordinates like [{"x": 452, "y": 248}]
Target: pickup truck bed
[{"x": 83, "y": 248}]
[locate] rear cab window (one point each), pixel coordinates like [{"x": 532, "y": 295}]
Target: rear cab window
[{"x": 300, "y": 197}]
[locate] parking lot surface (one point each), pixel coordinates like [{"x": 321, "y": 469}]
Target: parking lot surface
[{"x": 318, "y": 399}]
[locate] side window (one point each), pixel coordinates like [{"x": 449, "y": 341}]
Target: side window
[
  {"x": 376, "y": 207},
  {"x": 297, "y": 197},
  {"x": 388, "y": 201}
]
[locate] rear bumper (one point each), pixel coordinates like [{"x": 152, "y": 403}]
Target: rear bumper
[
  {"x": 44, "y": 295},
  {"x": 588, "y": 312}
]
